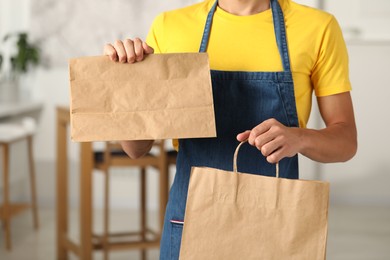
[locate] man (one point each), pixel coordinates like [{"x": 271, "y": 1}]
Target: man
[{"x": 267, "y": 58}]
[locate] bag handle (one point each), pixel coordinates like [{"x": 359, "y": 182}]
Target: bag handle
[{"x": 236, "y": 155}]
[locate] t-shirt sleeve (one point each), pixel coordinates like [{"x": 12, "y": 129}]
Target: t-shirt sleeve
[
  {"x": 155, "y": 36},
  {"x": 330, "y": 73}
]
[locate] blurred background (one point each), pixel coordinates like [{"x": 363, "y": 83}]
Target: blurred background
[{"x": 37, "y": 37}]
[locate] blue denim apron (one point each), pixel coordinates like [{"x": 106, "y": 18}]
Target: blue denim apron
[{"x": 242, "y": 100}]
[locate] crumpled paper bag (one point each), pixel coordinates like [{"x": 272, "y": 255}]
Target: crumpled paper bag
[
  {"x": 165, "y": 96},
  {"x": 232, "y": 216}
]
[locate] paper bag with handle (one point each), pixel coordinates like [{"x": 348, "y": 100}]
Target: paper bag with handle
[
  {"x": 164, "y": 96},
  {"x": 232, "y": 215}
]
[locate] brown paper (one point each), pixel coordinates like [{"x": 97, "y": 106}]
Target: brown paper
[
  {"x": 164, "y": 96},
  {"x": 234, "y": 216}
]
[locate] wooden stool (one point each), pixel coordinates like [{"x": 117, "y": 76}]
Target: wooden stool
[
  {"x": 114, "y": 156},
  {"x": 9, "y": 134}
]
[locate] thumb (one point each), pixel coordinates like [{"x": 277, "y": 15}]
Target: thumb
[
  {"x": 147, "y": 48},
  {"x": 241, "y": 137}
]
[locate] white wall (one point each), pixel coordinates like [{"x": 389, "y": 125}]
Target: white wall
[
  {"x": 366, "y": 178},
  {"x": 361, "y": 181},
  {"x": 362, "y": 18}
]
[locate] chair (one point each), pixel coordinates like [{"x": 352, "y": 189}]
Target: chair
[
  {"x": 10, "y": 134},
  {"x": 114, "y": 156}
]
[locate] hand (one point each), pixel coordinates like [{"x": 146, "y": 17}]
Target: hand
[
  {"x": 128, "y": 50},
  {"x": 274, "y": 140}
]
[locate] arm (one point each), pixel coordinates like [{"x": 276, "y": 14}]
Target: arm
[
  {"x": 337, "y": 142},
  {"x": 137, "y": 149},
  {"x": 130, "y": 51}
]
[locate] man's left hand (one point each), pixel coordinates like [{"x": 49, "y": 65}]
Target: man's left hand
[{"x": 274, "y": 140}]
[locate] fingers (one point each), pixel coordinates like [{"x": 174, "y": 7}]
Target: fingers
[
  {"x": 261, "y": 134},
  {"x": 110, "y": 51},
  {"x": 265, "y": 137},
  {"x": 120, "y": 50},
  {"x": 268, "y": 149},
  {"x": 275, "y": 157},
  {"x": 274, "y": 140},
  {"x": 243, "y": 136},
  {"x": 128, "y": 50},
  {"x": 139, "y": 51},
  {"x": 147, "y": 48}
]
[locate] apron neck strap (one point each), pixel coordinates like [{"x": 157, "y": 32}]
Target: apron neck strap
[
  {"x": 279, "y": 28},
  {"x": 207, "y": 28}
]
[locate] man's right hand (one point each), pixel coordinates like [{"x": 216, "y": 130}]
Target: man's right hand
[{"x": 128, "y": 50}]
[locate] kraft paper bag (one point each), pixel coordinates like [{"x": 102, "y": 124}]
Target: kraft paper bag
[
  {"x": 234, "y": 216},
  {"x": 164, "y": 96}
]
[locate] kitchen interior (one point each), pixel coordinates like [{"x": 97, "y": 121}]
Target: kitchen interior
[{"x": 69, "y": 205}]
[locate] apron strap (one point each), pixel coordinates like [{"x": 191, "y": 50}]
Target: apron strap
[
  {"x": 207, "y": 28},
  {"x": 280, "y": 33}
]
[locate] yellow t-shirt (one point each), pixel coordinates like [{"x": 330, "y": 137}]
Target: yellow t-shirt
[{"x": 318, "y": 54}]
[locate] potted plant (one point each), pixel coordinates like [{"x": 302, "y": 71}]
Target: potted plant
[
  {"x": 27, "y": 54},
  {"x": 25, "y": 58}
]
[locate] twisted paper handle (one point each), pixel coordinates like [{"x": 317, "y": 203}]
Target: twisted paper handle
[{"x": 236, "y": 155}]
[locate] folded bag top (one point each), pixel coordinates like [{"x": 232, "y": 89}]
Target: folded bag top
[
  {"x": 164, "y": 96},
  {"x": 232, "y": 215}
]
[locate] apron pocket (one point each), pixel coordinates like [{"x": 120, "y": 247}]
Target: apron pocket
[{"x": 176, "y": 233}]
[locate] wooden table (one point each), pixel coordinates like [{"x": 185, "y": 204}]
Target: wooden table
[{"x": 64, "y": 244}]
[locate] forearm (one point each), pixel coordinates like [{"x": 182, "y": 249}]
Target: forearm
[
  {"x": 335, "y": 143},
  {"x": 137, "y": 149},
  {"x": 131, "y": 51}
]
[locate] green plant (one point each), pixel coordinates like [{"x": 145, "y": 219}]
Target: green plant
[{"x": 27, "y": 53}]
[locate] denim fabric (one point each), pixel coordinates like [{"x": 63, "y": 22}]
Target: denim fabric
[{"x": 242, "y": 100}]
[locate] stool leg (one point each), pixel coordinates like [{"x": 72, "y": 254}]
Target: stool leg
[
  {"x": 106, "y": 214},
  {"x": 32, "y": 182},
  {"x": 143, "y": 210},
  {"x": 6, "y": 209}
]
